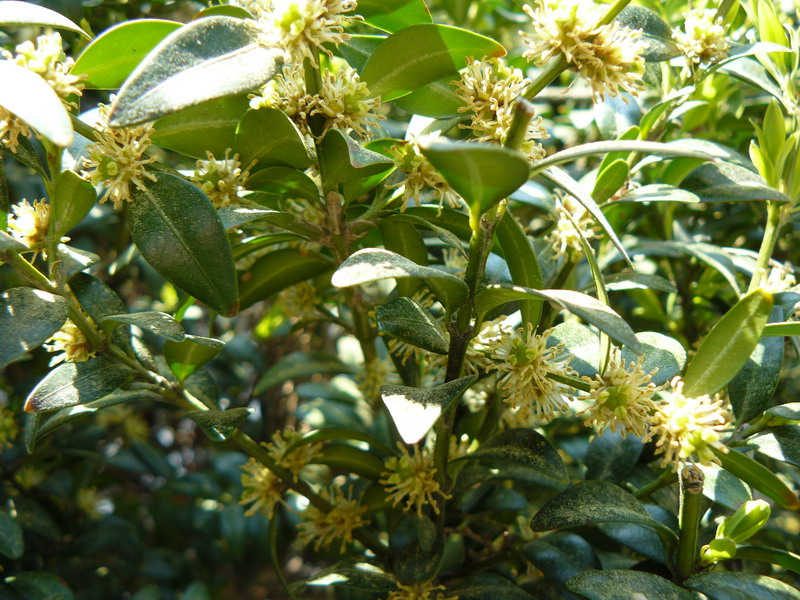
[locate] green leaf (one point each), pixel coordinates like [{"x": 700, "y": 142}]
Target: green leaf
[
  {"x": 345, "y": 160},
  {"x": 783, "y": 558},
  {"x": 420, "y": 54},
  {"x": 376, "y": 264},
  {"x": 28, "y": 318},
  {"x": 356, "y": 574},
  {"x": 523, "y": 265},
  {"x": 394, "y": 15},
  {"x": 591, "y": 502},
  {"x": 752, "y": 389},
  {"x": 39, "y": 585},
  {"x": 282, "y": 181},
  {"x": 660, "y": 352},
  {"x": 789, "y": 411},
  {"x": 338, "y": 433},
  {"x": 561, "y": 555},
  {"x": 656, "y": 33},
  {"x": 301, "y": 364},
  {"x": 219, "y": 425},
  {"x": 188, "y": 355},
  {"x": 728, "y": 345},
  {"x": 31, "y": 98},
  {"x": 581, "y": 342},
  {"x": 437, "y": 100},
  {"x": 404, "y": 319},
  {"x": 610, "y": 180},
  {"x": 414, "y": 411},
  {"x": 658, "y": 192},
  {"x": 781, "y": 443},
  {"x": 627, "y": 280},
  {"x": 586, "y": 307},
  {"x": 617, "y": 584},
  {"x": 489, "y": 586},
  {"x": 228, "y": 10},
  {"x": 727, "y": 182},
  {"x": 114, "y": 54},
  {"x": 278, "y": 270},
  {"x": 611, "y": 457},
  {"x": 206, "y": 59},
  {"x": 758, "y": 476},
  {"x": 482, "y": 174},
  {"x": 521, "y": 448},
  {"x": 722, "y": 585},
  {"x": 77, "y": 383},
  {"x": 155, "y": 322},
  {"x": 723, "y": 488},
  {"x": 349, "y": 459},
  {"x": 269, "y": 137},
  {"x": 208, "y": 126},
  {"x": 11, "y": 542},
  {"x": 235, "y": 215},
  {"x": 178, "y": 232},
  {"x": 21, "y": 14},
  {"x": 10, "y": 244},
  {"x": 787, "y": 328},
  {"x": 73, "y": 199},
  {"x": 357, "y": 50},
  {"x": 404, "y": 239}
]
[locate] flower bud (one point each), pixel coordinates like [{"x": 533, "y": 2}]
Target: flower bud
[{"x": 745, "y": 522}]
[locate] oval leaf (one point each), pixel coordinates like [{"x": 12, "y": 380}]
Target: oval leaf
[
  {"x": 185, "y": 357},
  {"x": 344, "y": 159},
  {"x": 741, "y": 586},
  {"x": 561, "y": 555},
  {"x": 156, "y": 322},
  {"x": 219, "y": 425},
  {"x": 656, "y": 33},
  {"x": 758, "y": 476},
  {"x": 781, "y": 443},
  {"x": 393, "y": 15},
  {"x": 269, "y": 137},
  {"x": 662, "y": 353},
  {"x": 178, "y": 232},
  {"x": 11, "y": 542},
  {"x": 301, "y": 364},
  {"x": 625, "y": 585},
  {"x": 28, "y": 318},
  {"x": 278, "y": 270},
  {"x": 206, "y": 59},
  {"x": 19, "y": 14},
  {"x": 73, "y": 199},
  {"x": 404, "y": 319}
]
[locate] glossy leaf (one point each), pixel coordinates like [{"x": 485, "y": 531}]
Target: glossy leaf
[
  {"x": 521, "y": 448},
  {"x": 727, "y": 182},
  {"x": 356, "y": 574},
  {"x": 658, "y": 192},
  {"x": 561, "y": 555},
  {"x": 11, "y": 541},
  {"x": 338, "y": 433},
  {"x": 278, "y": 270},
  {"x": 178, "y": 232},
  {"x": 283, "y": 181},
  {"x": 482, "y": 174},
  {"x": 357, "y": 50},
  {"x": 523, "y": 265},
  {"x": 394, "y": 15},
  {"x": 21, "y": 14},
  {"x": 99, "y": 301},
  {"x": 404, "y": 239},
  {"x": 437, "y": 100},
  {"x": 787, "y": 328},
  {"x": 208, "y": 126},
  {"x": 375, "y": 264},
  {"x": 301, "y": 364},
  {"x": 188, "y": 355},
  {"x": 618, "y": 584},
  {"x": 590, "y": 502},
  {"x": 73, "y": 199},
  {"x": 346, "y": 160},
  {"x": 581, "y": 342},
  {"x": 610, "y": 180},
  {"x": 206, "y": 59},
  {"x": 660, "y": 352},
  {"x": 219, "y": 425},
  {"x": 269, "y": 137},
  {"x": 114, "y": 54},
  {"x": 720, "y": 585},
  {"x": 31, "y": 98},
  {"x": 723, "y": 488},
  {"x": 155, "y": 322},
  {"x": 588, "y": 308},
  {"x": 28, "y": 318},
  {"x": 404, "y": 319},
  {"x": 414, "y": 411},
  {"x": 420, "y": 54},
  {"x": 638, "y": 281},
  {"x": 656, "y": 33},
  {"x": 781, "y": 443},
  {"x": 349, "y": 459},
  {"x": 611, "y": 457},
  {"x": 10, "y": 244},
  {"x": 728, "y": 345},
  {"x": 489, "y": 586},
  {"x": 39, "y": 585},
  {"x": 789, "y": 411},
  {"x": 73, "y": 383},
  {"x": 758, "y": 476},
  {"x": 235, "y": 215},
  {"x": 783, "y": 558}
]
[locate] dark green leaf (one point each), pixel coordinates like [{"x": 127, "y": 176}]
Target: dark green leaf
[
  {"x": 206, "y": 59},
  {"x": 234, "y": 215},
  {"x": 301, "y": 364},
  {"x": 414, "y": 411},
  {"x": 31, "y": 153},
  {"x": 728, "y": 345},
  {"x": 74, "y": 260},
  {"x": 420, "y": 54},
  {"x": 356, "y": 574},
  {"x": 20, "y": 14},
  {"x": 483, "y": 174},
  {"x": 727, "y": 182},
  {"x": 178, "y": 232},
  {"x": 357, "y": 50},
  {"x": 8, "y": 243},
  {"x": 155, "y": 322},
  {"x": 219, "y": 425},
  {"x": 31, "y": 98},
  {"x": 625, "y": 585},
  {"x": 282, "y": 181},
  {"x": 581, "y": 342},
  {"x": 611, "y": 457},
  {"x": 758, "y": 476},
  {"x": 39, "y": 585},
  {"x": 394, "y": 15},
  {"x": 741, "y": 586},
  {"x": 561, "y": 555},
  {"x": 723, "y": 488},
  {"x": 345, "y": 160},
  {"x": 437, "y": 100},
  {"x": 789, "y": 411},
  {"x": 404, "y": 239},
  {"x": 269, "y": 137},
  {"x": 523, "y": 265},
  {"x": 114, "y": 54},
  {"x": 338, "y": 433},
  {"x": 489, "y": 586},
  {"x": 349, "y": 459},
  {"x": 610, "y": 180},
  {"x": 656, "y": 33},
  {"x": 77, "y": 383},
  {"x": 28, "y": 318},
  {"x": 188, "y": 355},
  {"x": 208, "y": 126},
  {"x": 787, "y": 560},
  {"x": 781, "y": 443},
  {"x": 278, "y": 270},
  {"x": 73, "y": 199},
  {"x": 11, "y": 542},
  {"x": 404, "y": 319},
  {"x": 524, "y": 448},
  {"x": 638, "y": 281},
  {"x": 661, "y": 352}
]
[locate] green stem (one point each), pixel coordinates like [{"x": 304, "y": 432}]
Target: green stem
[
  {"x": 691, "y": 499},
  {"x": 774, "y": 215},
  {"x": 84, "y": 129},
  {"x": 666, "y": 478},
  {"x": 554, "y": 67}
]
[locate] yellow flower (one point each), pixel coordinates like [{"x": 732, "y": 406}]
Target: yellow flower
[
  {"x": 11, "y": 128},
  {"x": 420, "y": 175},
  {"x": 686, "y": 428},
  {"x": 335, "y": 525},
  {"x": 117, "y": 160},
  {"x": 377, "y": 372},
  {"x": 608, "y": 57},
  {"x": 778, "y": 279},
  {"x": 134, "y": 427},
  {"x": 90, "y": 501},
  {"x": 30, "y": 477},
  {"x": 419, "y": 591},
  {"x": 293, "y": 459},
  {"x": 525, "y": 361},
  {"x": 565, "y": 237},
  {"x": 28, "y": 223},
  {"x": 489, "y": 88},
  {"x": 412, "y": 477},
  {"x": 346, "y": 102},
  {"x": 221, "y": 180},
  {"x": 703, "y": 37},
  {"x": 622, "y": 397},
  {"x": 287, "y": 92},
  {"x": 72, "y": 343},
  {"x": 8, "y": 428},
  {"x": 46, "y": 58},
  {"x": 263, "y": 490},
  {"x": 299, "y": 300}
]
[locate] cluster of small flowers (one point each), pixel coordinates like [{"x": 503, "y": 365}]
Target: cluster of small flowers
[
  {"x": 703, "y": 37},
  {"x": 72, "y": 343},
  {"x": 573, "y": 223},
  {"x": 419, "y": 591},
  {"x": 28, "y": 223},
  {"x": 323, "y": 527},
  {"x": 8, "y": 428},
  {"x": 419, "y": 175},
  {"x": 411, "y": 478},
  {"x": 608, "y": 57},
  {"x": 221, "y": 180}
]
